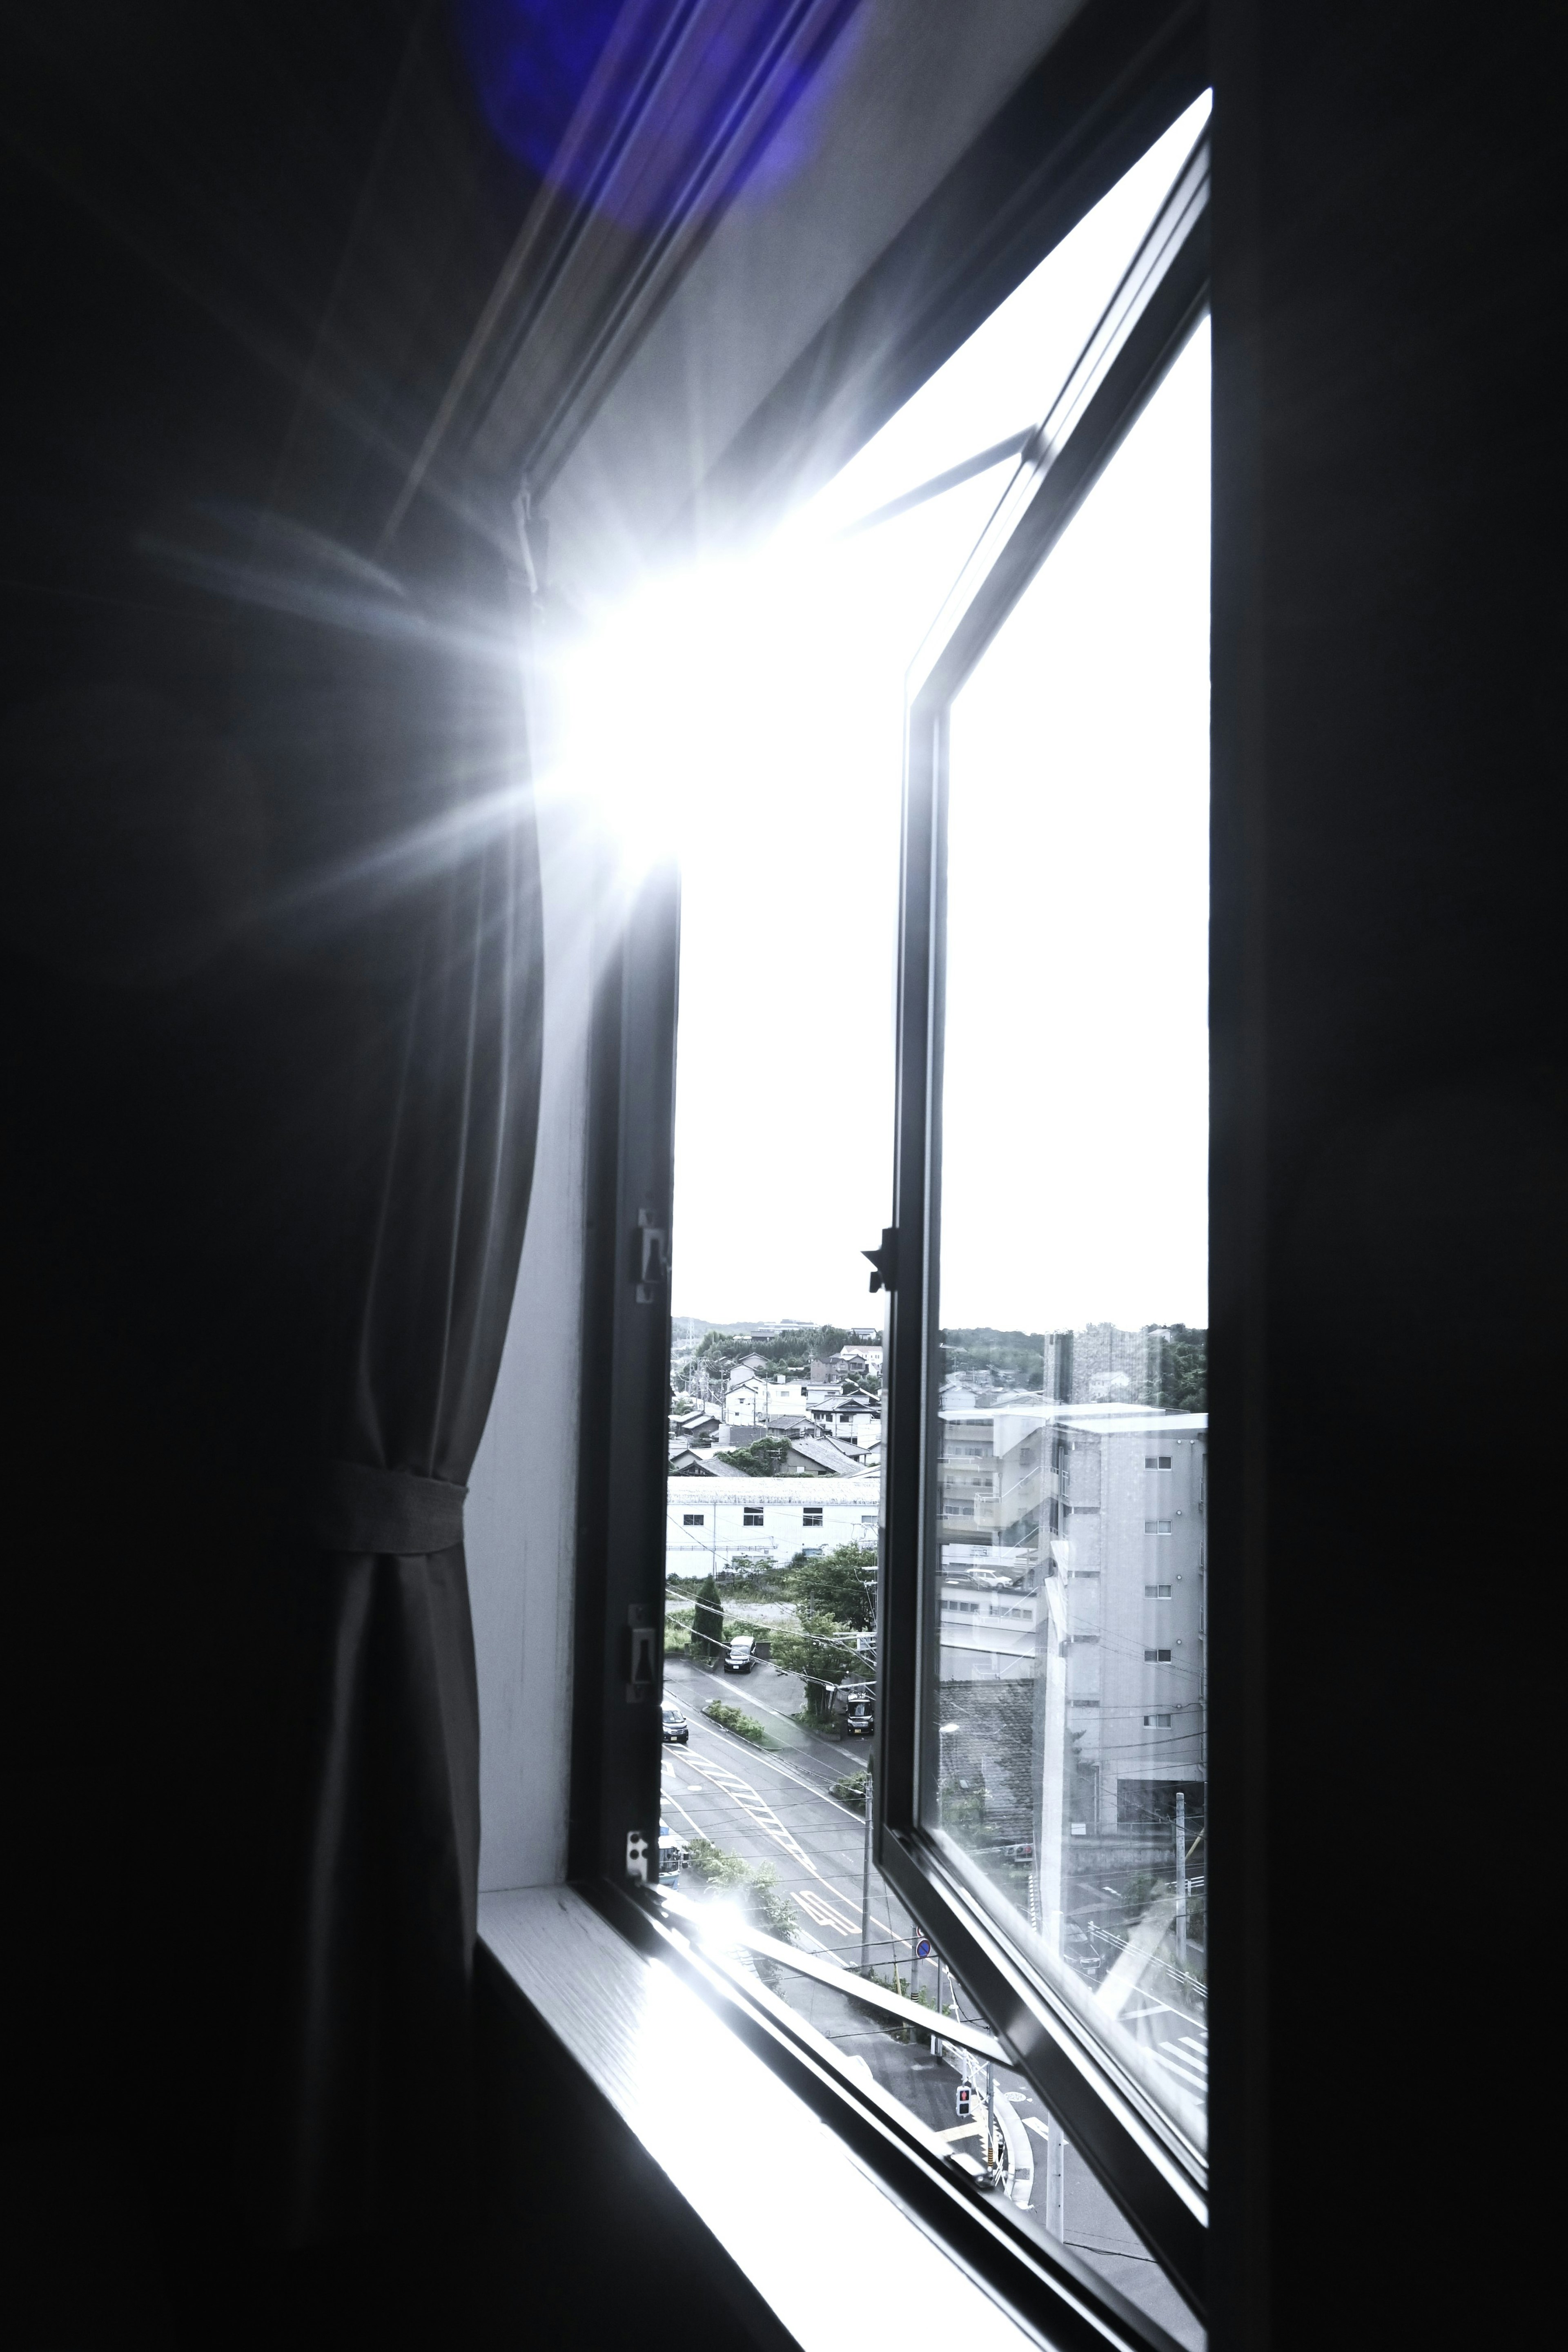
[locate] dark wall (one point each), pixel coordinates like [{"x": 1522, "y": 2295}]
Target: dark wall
[{"x": 1391, "y": 1148}]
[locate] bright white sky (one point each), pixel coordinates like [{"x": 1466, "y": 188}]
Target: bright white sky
[{"x": 1076, "y": 1116}]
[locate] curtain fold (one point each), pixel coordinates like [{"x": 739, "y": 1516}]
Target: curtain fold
[{"x": 358, "y": 2108}]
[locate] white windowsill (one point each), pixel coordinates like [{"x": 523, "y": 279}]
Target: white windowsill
[{"x": 760, "y": 2172}]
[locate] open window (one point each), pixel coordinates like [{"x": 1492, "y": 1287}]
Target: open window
[
  {"x": 994, "y": 620},
  {"x": 1044, "y": 1753}
]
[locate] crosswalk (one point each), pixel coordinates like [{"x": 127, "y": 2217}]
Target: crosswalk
[
  {"x": 824, "y": 1905},
  {"x": 1186, "y": 2059}
]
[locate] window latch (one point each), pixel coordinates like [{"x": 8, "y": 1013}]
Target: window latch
[
  {"x": 642, "y": 1656},
  {"x": 884, "y": 1260},
  {"x": 655, "y": 1258}
]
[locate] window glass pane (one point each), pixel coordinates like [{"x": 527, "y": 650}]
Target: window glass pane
[
  {"x": 983, "y": 2118},
  {"x": 1003, "y": 378},
  {"x": 1063, "y": 1750}
]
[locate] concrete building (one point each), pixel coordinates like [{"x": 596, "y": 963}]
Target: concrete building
[
  {"x": 712, "y": 1521},
  {"x": 1073, "y": 1550}
]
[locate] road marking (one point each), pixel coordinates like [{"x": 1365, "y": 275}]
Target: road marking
[
  {"x": 1157, "y": 2008},
  {"x": 761, "y": 1812},
  {"x": 962, "y": 2131},
  {"x": 769, "y": 1764},
  {"x": 821, "y": 1914},
  {"x": 731, "y": 1785},
  {"x": 1182, "y": 2068},
  {"x": 676, "y": 1808},
  {"x": 1200, "y": 2047}
]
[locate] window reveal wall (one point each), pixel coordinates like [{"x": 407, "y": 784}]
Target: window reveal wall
[{"x": 521, "y": 1514}]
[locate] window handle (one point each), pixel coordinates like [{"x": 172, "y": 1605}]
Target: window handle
[
  {"x": 886, "y": 1260},
  {"x": 655, "y": 1258}
]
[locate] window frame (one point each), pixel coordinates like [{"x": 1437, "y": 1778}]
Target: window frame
[
  {"x": 1119, "y": 78},
  {"x": 1157, "y": 2180}
]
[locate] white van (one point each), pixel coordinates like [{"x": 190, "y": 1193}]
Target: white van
[{"x": 739, "y": 1655}]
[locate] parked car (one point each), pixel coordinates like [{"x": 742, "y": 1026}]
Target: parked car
[
  {"x": 740, "y": 1655},
  {"x": 858, "y": 1705},
  {"x": 675, "y": 1725}
]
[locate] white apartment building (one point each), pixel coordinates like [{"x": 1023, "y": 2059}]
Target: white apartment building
[
  {"x": 1073, "y": 1550},
  {"x": 711, "y": 1521}
]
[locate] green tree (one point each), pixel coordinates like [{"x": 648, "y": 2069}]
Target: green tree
[
  {"x": 708, "y": 1621},
  {"x": 840, "y": 1585},
  {"x": 764, "y": 1458},
  {"x": 824, "y": 1653}
]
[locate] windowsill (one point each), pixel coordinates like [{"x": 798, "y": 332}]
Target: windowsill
[{"x": 766, "y": 2176}]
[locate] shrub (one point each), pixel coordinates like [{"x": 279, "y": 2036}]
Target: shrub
[
  {"x": 853, "y": 1789},
  {"x": 771, "y": 1904},
  {"x": 733, "y": 1719},
  {"x": 714, "y": 1864},
  {"x": 765, "y": 1900}
]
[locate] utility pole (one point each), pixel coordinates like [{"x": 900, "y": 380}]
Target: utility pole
[
  {"x": 1055, "y": 2178},
  {"x": 865, "y": 1889},
  {"x": 1181, "y": 1876}
]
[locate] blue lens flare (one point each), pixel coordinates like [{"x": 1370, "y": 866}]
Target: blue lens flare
[{"x": 532, "y": 60}]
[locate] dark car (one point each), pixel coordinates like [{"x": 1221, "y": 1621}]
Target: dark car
[{"x": 676, "y": 1724}]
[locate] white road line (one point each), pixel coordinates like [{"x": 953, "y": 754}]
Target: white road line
[
  {"x": 1201, "y": 2047},
  {"x": 821, "y": 1914},
  {"x": 1181, "y": 2070},
  {"x": 770, "y": 1764},
  {"x": 761, "y": 1812}
]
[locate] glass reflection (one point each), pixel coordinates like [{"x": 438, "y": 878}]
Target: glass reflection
[{"x": 1063, "y": 1754}]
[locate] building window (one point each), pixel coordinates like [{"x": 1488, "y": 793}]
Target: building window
[
  {"x": 1156, "y": 1527},
  {"x": 1156, "y": 1592},
  {"x": 751, "y": 1516},
  {"x": 811, "y": 1516},
  {"x": 1156, "y": 1657},
  {"x": 691, "y": 1519},
  {"x": 1156, "y": 1723},
  {"x": 1157, "y": 1461}
]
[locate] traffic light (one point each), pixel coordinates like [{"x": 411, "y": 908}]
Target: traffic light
[{"x": 966, "y": 2100}]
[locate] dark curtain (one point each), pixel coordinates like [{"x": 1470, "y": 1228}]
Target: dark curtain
[
  {"x": 270, "y": 993},
  {"x": 357, "y": 2107},
  {"x": 273, "y": 975}
]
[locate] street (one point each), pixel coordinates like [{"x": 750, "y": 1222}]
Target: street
[{"x": 777, "y": 1807}]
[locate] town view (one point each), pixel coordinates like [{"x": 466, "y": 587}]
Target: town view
[{"x": 1067, "y": 1762}]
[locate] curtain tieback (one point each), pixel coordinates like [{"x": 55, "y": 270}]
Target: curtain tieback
[{"x": 357, "y": 1509}]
